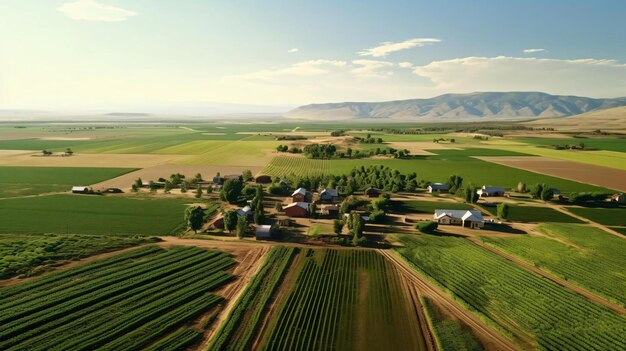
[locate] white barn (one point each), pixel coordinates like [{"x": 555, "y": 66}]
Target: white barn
[{"x": 466, "y": 218}]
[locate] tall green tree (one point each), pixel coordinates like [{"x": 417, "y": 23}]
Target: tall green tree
[
  {"x": 503, "y": 210},
  {"x": 231, "y": 190},
  {"x": 471, "y": 197},
  {"x": 194, "y": 216},
  {"x": 230, "y": 220},
  {"x": 338, "y": 226},
  {"x": 455, "y": 182},
  {"x": 242, "y": 224},
  {"x": 198, "y": 192},
  {"x": 247, "y": 175}
]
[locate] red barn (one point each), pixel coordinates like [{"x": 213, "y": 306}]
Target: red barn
[
  {"x": 301, "y": 195},
  {"x": 297, "y": 209}
]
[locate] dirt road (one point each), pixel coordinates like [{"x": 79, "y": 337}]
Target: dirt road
[{"x": 491, "y": 339}]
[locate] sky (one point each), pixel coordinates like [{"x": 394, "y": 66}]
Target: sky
[{"x": 98, "y": 54}]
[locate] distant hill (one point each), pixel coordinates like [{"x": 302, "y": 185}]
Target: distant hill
[
  {"x": 454, "y": 107},
  {"x": 609, "y": 119}
]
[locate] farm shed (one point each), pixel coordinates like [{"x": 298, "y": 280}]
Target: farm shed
[
  {"x": 245, "y": 211},
  {"x": 217, "y": 223},
  {"x": 263, "y": 231},
  {"x": 301, "y": 195},
  {"x": 113, "y": 190},
  {"x": 297, "y": 209},
  {"x": 263, "y": 179},
  {"x": 372, "y": 192},
  {"x": 466, "y": 218},
  {"x": 329, "y": 210},
  {"x": 329, "y": 195},
  {"x": 619, "y": 198},
  {"x": 81, "y": 190},
  {"x": 490, "y": 191},
  {"x": 438, "y": 187}
]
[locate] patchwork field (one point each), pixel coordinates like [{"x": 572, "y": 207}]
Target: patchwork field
[
  {"x": 125, "y": 302},
  {"x": 91, "y": 214},
  {"x": 88, "y": 160},
  {"x": 524, "y": 304},
  {"x": 609, "y": 178},
  {"x": 575, "y": 253},
  {"x": 344, "y": 300},
  {"x": 534, "y": 214},
  {"x": 606, "y": 216},
  {"x": 22, "y": 181}
]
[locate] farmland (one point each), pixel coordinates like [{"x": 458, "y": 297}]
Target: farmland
[
  {"x": 575, "y": 253},
  {"x": 451, "y": 336},
  {"x": 127, "y": 301},
  {"x": 21, "y": 181},
  {"x": 529, "y": 307},
  {"x": 428, "y": 206},
  {"x": 91, "y": 214},
  {"x": 606, "y": 216},
  {"x": 535, "y": 214},
  {"x": 26, "y": 255},
  {"x": 344, "y": 300}
]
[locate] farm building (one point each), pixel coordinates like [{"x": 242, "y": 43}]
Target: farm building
[
  {"x": 217, "y": 223},
  {"x": 490, "y": 191},
  {"x": 301, "y": 195},
  {"x": 297, "y": 209},
  {"x": 364, "y": 218},
  {"x": 329, "y": 210},
  {"x": 263, "y": 179},
  {"x": 329, "y": 195},
  {"x": 372, "y": 192},
  {"x": 263, "y": 231},
  {"x": 466, "y": 218},
  {"x": 245, "y": 211},
  {"x": 438, "y": 187},
  {"x": 218, "y": 180},
  {"x": 81, "y": 190},
  {"x": 113, "y": 190},
  {"x": 619, "y": 198}
]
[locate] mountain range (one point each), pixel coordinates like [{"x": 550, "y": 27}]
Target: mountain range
[{"x": 451, "y": 107}]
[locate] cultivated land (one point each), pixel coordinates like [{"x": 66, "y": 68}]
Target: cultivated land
[{"x": 537, "y": 279}]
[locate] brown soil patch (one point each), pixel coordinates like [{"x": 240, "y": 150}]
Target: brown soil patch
[
  {"x": 585, "y": 173},
  {"x": 421, "y": 147},
  {"x": 35, "y": 159},
  {"x": 165, "y": 170}
]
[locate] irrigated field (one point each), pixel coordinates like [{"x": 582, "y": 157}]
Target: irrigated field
[
  {"x": 125, "y": 302},
  {"x": 243, "y": 322},
  {"x": 91, "y": 214},
  {"x": 20, "y": 181},
  {"x": 428, "y": 206},
  {"x": 26, "y": 254},
  {"x": 535, "y": 214},
  {"x": 532, "y": 308},
  {"x": 575, "y": 253},
  {"x": 344, "y": 300},
  {"x": 606, "y": 216}
]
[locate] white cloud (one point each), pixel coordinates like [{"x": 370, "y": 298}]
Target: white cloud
[
  {"x": 90, "y": 10},
  {"x": 405, "y": 65},
  {"x": 388, "y": 47},
  {"x": 587, "y": 77},
  {"x": 293, "y": 50},
  {"x": 372, "y": 68},
  {"x": 532, "y": 51},
  {"x": 300, "y": 69}
]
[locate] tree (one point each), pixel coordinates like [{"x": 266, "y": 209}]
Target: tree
[
  {"x": 168, "y": 186},
  {"x": 242, "y": 223},
  {"x": 69, "y": 152},
  {"x": 138, "y": 183},
  {"x": 338, "y": 226},
  {"x": 547, "y": 193},
  {"x": 153, "y": 186},
  {"x": 312, "y": 210},
  {"x": 133, "y": 188},
  {"x": 503, "y": 210},
  {"x": 198, "y": 192},
  {"x": 471, "y": 197},
  {"x": 194, "y": 216},
  {"x": 521, "y": 187},
  {"x": 197, "y": 178},
  {"x": 536, "y": 191},
  {"x": 426, "y": 226},
  {"x": 455, "y": 182},
  {"x": 231, "y": 190},
  {"x": 247, "y": 175},
  {"x": 183, "y": 187},
  {"x": 230, "y": 220},
  {"x": 278, "y": 207}
]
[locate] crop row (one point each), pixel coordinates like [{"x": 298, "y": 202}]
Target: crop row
[
  {"x": 518, "y": 300},
  {"x": 243, "y": 320},
  {"x": 177, "y": 341},
  {"x": 285, "y": 165},
  {"x": 43, "y": 283},
  {"x": 175, "y": 283},
  {"x": 344, "y": 298}
]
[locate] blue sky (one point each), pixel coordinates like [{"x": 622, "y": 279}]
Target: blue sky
[{"x": 97, "y": 53}]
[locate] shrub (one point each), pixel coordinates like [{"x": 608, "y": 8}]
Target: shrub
[{"x": 426, "y": 226}]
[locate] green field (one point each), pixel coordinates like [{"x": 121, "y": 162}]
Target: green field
[
  {"x": 243, "y": 322},
  {"x": 21, "y": 181},
  {"x": 515, "y": 299},
  {"x": 344, "y": 300},
  {"x": 26, "y": 255},
  {"x": 609, "y": 144},
  {"x": 449, "y": 333},
  {"x": 428, "y": 206},
  {"x": 619, "y": 230},
  {"x": 606, "y": 216},
  {"x": 534, "y": 214},
  {"x": 432, "y": 168},
  {"x": 125, "y": 302},
  {"x": 92, "y": 214},
  {"x": 575, "y": 253}
]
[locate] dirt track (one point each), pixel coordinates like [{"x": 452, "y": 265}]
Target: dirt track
[{"x": 490, "y": 338}]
